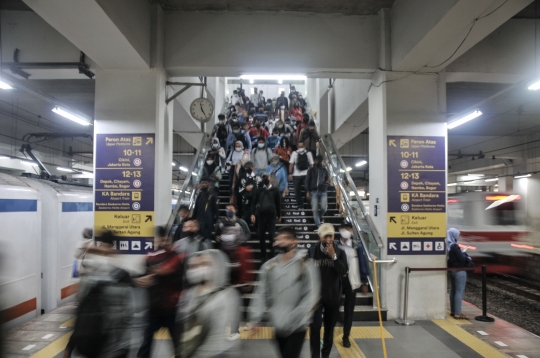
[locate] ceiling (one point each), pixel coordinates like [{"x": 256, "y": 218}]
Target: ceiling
[{"x": 346, "y": 7}]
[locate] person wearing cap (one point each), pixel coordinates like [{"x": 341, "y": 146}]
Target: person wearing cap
[
  {"x": 356, "y": 277},
  {"x": 310, "y": 137},
  {"x": 249, "y": 182},
  {"x": 317, "y": 180},
  {"x": 277, "y": 172},
  {"x": 206, "y": 208},
  {"x": 332, "y": 264}
]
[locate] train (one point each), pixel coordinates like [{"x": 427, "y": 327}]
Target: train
[
  {"x": 493, "y": 228},
  {"x": 42, "y": 223}
]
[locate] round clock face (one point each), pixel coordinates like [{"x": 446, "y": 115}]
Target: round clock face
[{"x": 202, "y": 109}]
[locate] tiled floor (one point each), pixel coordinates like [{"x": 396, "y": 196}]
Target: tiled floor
[{"x": 46, "y": 337}]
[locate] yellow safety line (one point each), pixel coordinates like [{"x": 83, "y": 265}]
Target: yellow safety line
[
  {"x": 459, "y": 322},
  {"x": 385, "y": 355},
  {"x": 54, "y": 348},
  {"x": 479, "y": 346},
  {"x": 69, "y": 323}
]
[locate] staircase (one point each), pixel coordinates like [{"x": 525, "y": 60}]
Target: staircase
[{"x": 302, "y": 221}]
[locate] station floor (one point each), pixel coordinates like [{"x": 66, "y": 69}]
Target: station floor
[{"x": 46, "y": 337}]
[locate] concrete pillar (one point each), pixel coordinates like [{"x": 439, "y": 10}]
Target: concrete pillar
[
  {"x": 403, "y": 104},
  {"x": 506, "y": 184}
]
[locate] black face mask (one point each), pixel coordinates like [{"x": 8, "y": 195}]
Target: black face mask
[
  {"x": 190, "y": 233},
  {"x": 266, "y": 181},
  {"x": 257, "y": 126},
  {"x": 318, "y": 164},
  {"x": 283, "y": 249},
  {"x": 249, "y": 170},
  {"x": 204, "y": 188}
]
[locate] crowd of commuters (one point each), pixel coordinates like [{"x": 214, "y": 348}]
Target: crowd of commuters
[{"x": 194, "y": 279}]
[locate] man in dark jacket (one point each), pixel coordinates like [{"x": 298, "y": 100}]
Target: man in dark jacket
[
  {"x": 317, "y": 180},
  {"x": 332, "y": 265},
  {"x": 282, "y": 101},
  {"x": 183, "y": 215},
  {"x": 206, "y": 208},
  {"x": 266, "y": 205}
]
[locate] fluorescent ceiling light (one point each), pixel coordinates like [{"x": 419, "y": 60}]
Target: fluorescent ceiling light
[
  {"x": 193, "y": 173},
  {"x": 280, "y": 81},
  {"x": 64, "y": 169},
  {"x": 452, "y": 184},
  {"x": 522, "y": 176},
  {"x": 464, "y": 119},
  {"x": 534, "y": 86},
  {"x": 252, "y": 81},
  {"x": 28, "y": 163},
  {"x": 5, "y": 86},
  {"x": 70, "y": 116},
  {"x": 359, "y": 164},
  {"x": 274, "y": 77},
  {"x": 3, "y": 157},
  {"x": 492, "y": 179},
  {"x": 348, "y": 169},
  {"x": 173, "y": 164},
  {"x": 351, "y": 193},
  {"x": 183, "y": 169},
  {"x": 475, "y": 175}
]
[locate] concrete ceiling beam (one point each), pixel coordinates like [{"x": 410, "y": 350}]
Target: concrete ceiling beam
[
  {"x": 432, "y": 33},
  {"x": 115, "y": 34}
]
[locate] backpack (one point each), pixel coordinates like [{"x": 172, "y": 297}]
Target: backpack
[
  {"x": 242, "y": 138},
  {"x": 222, "y": 134},
  {"x": 88, "y": 334},
  {"x": 302, "y": 162},
  {"x": 273, "y": 177},
  {"x": 266, "y": 205}
]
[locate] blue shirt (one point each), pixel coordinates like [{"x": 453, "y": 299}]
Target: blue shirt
[
  {"x": 272, "y": 142},
  {"x": 281, "y": 175},
  {"x": 231, "y": 140}
]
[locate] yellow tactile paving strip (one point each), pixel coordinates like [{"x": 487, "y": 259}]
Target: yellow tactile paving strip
[
  {"x": 69, "y": 323},
  {"x": 479, "y": 346},
  {"x": 54, "y": 348},
  {"x": 459, "y": 322}
]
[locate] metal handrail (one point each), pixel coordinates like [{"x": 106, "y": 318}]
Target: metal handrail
[
  {"x": 201, "y": 149},
  {"x": 372, "y": 258}
]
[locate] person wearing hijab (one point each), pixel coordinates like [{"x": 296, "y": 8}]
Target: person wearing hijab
[
  {"x": 457, "y": 257},
  {"x": 209, "y": 308},
  {"x": 217, "y": 150},
  {"x": 237, "y": 153},
  {"x": 211, "y": 169}
]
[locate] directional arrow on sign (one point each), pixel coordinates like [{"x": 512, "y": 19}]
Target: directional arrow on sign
[
  {"x": 148, "y": 246},
  {"x": 150, "y": 140},
  {"x": 392, "y": 143},
  {"x": 148, "y": 218},
  {"x": 393, "y": 246},
  {"x": 393, "y": 219}
]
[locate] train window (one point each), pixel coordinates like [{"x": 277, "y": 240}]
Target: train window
[{"x": 505, "y": 214}]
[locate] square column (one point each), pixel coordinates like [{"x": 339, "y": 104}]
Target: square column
[{"x": 408, "y": 170}]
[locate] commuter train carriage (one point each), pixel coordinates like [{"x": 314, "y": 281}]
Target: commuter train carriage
[{"x": 492, "y": 225}]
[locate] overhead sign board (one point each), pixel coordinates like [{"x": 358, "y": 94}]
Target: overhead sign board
[
  {"x": 416, "y": 222},
  {"x": 124, "y": 189}
]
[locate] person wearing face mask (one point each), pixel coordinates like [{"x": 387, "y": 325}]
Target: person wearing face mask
[
  {"x": 236, "y": 154},
  {"x": 230, "y": 219},
  {"x": 163, "y": 283},
  {"x": 293, "y": 93},
  {"x": 192, "y": 241},
  {"x": 296, "y": 111},
  {"x": 211, "y": 169},
  {"x": 317, "y": 180},
  {"x": 208, "y": 308},
  {"x": 310, "y": 137},
  {"x": 282, "y": 101},
  {"x": 266, "y": 211},
  {"x": 218, "y": 151},
  {"x": 356, "y": 277},
  {"x": 277, "y": 173},
  {"x": 258, "y": 130},
  {"x": 206, "y": 208},
  {"x": 273, "y": 141},
  {"x": 284, "y": 151},
  {"x": 235, "y": 98},
  {"x": 289, "y": 131},
  {"x": 301, "y": 160},
  {"x": 111, "y": 286},
  {"x": 301, "y": 123},
  {"x": 238, "y": 173},
  {"x": 249, "y": 182},
  {"x": 302, "y": 101},
  {"x": 270, "y": 124},
  {"x": 261, "y": 156},
  {"x": 221, "y": 130},
  {"x": 288, "y": 289},
  {"x": 332, "y": 264},
  {"x": 183, "y": 214},
  {"x": 237, "y": 135},
  {"x": 263, "y": 117},
  {"x": 269, "y": 105}
]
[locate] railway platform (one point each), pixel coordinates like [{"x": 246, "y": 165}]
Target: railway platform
[{"x": 47, "y": 336}]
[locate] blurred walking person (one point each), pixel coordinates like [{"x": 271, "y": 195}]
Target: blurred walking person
[{"x": 457, "y": 257}]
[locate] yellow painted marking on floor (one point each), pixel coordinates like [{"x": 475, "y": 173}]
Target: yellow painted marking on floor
[
  {"x": 69, "y": 323},
  {"x": 459, "y": 322},
  {"x": 479, "y": 346},
  {"x": 54, "y": 348},
  {"x": 163, "y": 333},
  {"x": 368, "y": 332},
  {"x": 262, "y": 333},
  {"x": 354, "y": 351}
]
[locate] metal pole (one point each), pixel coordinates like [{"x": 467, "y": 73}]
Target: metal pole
[
  {"x": 406, "y": 321},
  {"x": 484, "y": 317}
]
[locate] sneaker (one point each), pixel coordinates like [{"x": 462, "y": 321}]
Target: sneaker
[
  {"x": 233, "y": 337},
  {"x": 346, "y": 343}
]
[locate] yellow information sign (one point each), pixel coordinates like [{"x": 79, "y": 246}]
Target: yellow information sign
[
  {"x": 416, "y": 225},
  {"x": 127, "y": 224}
]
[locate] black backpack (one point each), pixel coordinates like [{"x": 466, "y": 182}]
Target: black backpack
[
  {"x": 242, "y": 138},
  {"x": 88, "y": 334},
  {"x": 222, "y": 134},
  {"x": 266, "y": 205},
  {"x": 302, "y": 162}
]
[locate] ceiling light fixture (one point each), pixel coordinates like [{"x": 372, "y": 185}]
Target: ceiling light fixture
[
  {"x": 183, "y": 169},
  {"x": 492, "y": 179},
  {"x": 534, "y": 86},
  {"x": 452, "y": 184},
  {"x": 348, "y": 169},
  {"x": 5, "y": 86},
  {"x": 464, "y": 119},
  {"x": 70, "y": 116},
  {"x": 173, "y": 164},
  {"x": 522, "y": 176},
  {"x": 274, "y": 77},
  {"x": 359, "y": 164},
  {"x": 64, "y": 169},
  {"x": 26, "y": 162},
  {"x": 3, "y": 157}
]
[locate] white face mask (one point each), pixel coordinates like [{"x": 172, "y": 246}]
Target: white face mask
[
  {"x": 198, "y": 275},
  {"x": 346, "y": 234},
  {"x": 227, "y": 238},
  {"x": 209, "y": 162},
  {"x": 238, "y": 149}
]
